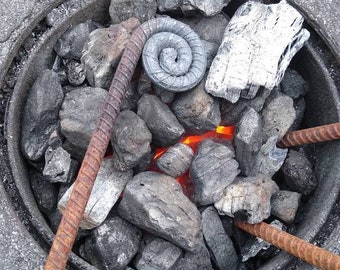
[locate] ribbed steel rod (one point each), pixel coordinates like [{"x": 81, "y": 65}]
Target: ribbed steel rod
[
  {"x": 295, "y": 246},
  {"x": 311, "y": 135}
]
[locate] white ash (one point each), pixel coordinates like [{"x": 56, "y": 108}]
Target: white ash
[
  {"x": 285, "y": 204},
  {"x": 176, "y": 160},
  {"x": 259, "y": 42},
  {"x": 107, "y": 188},
  {"x": 248, "y": 199},
  {"x": 248, "y": 139},
  {"x": 208, "y": 7},
  {"x": 269, "y": 159},
  {"x": 255, "y": 244}
]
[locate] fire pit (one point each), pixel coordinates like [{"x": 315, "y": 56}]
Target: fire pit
[{"x": 321, "y": 109}]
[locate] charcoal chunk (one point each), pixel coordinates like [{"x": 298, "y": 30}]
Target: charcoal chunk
[
  {"x": 164, "y": 95},
  {"x": 75, "y": 72},
  {"x": 131, "y": 98},
  {"x": 79, "y": 114},
  {"x": 248, "y": 139},
  {"x": 113, "y": 244},
  {"x": 285, "y": 204},
  {"x": 298, "y": 173},
  {"x": 198, "y": 259},
  {"x": 220, "y": 245},
  {"x": 278, "y": 115},
  {"x": 121, "y": 10},
  {"x": 269, "y": 159},
  {"x": 130, "y": 140},
  {"x": 71, "y": 43},
  {"x": 107, "y": 188},
  {"x": 104, "y": 50},
  {"x": 212, "y": 169},
  {"x": 45, "y": 193},
  {"x": 156, "y": 203},
  {"x": 40, "y": 117},
  {"x": 208, "y": 7},
  {"x": 299, "y": 106},
  {"x": 163, "y": 124},
  {"x": 157, "y": 254},
  {"x": 293, "y": 85},
  {"x": 166, "y": 5},
  {"x": 176, "y": 160},
  {"x": 248, "y": 199},
  {"x": 196, "y": 110},
  {"x": 211, "y": 50}
]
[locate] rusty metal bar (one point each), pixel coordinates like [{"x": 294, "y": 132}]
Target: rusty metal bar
[
  {"x": 300, "y": 248},
  {"x": 311, "y": 135}
]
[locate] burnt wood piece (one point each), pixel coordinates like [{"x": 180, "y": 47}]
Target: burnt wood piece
[{"x": 69, "y": 224}]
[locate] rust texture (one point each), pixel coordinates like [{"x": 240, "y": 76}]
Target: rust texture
[
  {"x": 311, "y": 135},
  {"x": 68, "y": 228},
  {"x": 293, "y": 245}
]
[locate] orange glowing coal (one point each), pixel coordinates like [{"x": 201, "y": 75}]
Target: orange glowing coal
[{"x": 221, "y": 132}]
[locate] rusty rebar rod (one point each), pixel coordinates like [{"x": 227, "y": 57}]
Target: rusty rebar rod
[
  {"x": 311, "y": 135},
  {"x": 300, "y": 248}
]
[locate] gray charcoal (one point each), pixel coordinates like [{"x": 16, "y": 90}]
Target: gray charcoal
[
  {"x": 79, "y": 114},
  {"x": 130, "y": 139},
  {"x": 103, "y": 51},
  {"x": 164, "y": 95},
  {"x": 45, "y": 193},
  {"x": 144, "y": 163},
  {"x": 121, "y": 10},
  {"x": 212, "y": 169},
  {"x": 220, "y": 245},
  {"x": 157, "y": 254},
  {"x": 196, "y": 110},
  {"x": 269, "y": 159},
  {"x": 75, "y": 72},
  {"x": 248, "y": 139},
  {"x": 298, "y": 173},
  {"x": 155, "y": 202},
  {"x": 40, "y": 116},
  {"x": 57, "y": 164},
  {"x": 54, "y": 219},
  {"x": 60, "y": 12},
  {"x": 285, "y": 204},
  {"x": 278, "y": 115},
  {"x": 256, "y": 51},
  {"x": 71, "y": 43},
  {"x": 255, "y": 244},
  {"x": 168, "y": 5},
  {"x": 176, "y": 160},
  {"x": 163, "y": 124},
  {"x": 107, "y": 188},
  {"x": 212, "y": 28},
  {"x": 198, "y": 259},
  {"x": 131, "y": 98},
  {"x": 113, "y": 244},
  {"x": 293, "y": 85},
  {"x": 188, "y": 10},
  {"x": 59, "y": 68},
  {"x": 299, "y": 106},
  {"x": 248, "y": 199},
  {"x": 144, "y": 84},
  {"x": 209, "y": 7},
  {"x": 211, "y": 50}
]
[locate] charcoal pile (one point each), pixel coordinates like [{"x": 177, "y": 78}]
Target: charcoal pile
[{"x": 182, "y": 162}]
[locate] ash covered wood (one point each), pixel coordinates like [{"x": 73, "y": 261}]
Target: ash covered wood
[
  {"x": 248, "y": 199},
  {"x": 113, "y": 244},
  {"x": 98, "y": 57},
  {"x": 259, "y": 42},
  {"x": 196, "y": 110},
  {"x": 218, "y": 242},
  {"x": 163, "y": 124},
  {"x": 248, "y": 139},
  {"x": 269, "y": 159},
  {"x": 155, "y": 202},
  {"x": 176, "y": 160},
  {"x": 298, "y": 173},
  {"x": 107, "y": 188},
  {"x": 157, "y": 253},
  {"x": 130, "y": 139},
  {"x": 40, "y": 116},
  {"x": 285, "y": 204},
  {"x": 212, "y": 169}
]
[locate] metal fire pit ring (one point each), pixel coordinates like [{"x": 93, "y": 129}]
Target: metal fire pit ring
[{"x": 314, "y": 62}]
